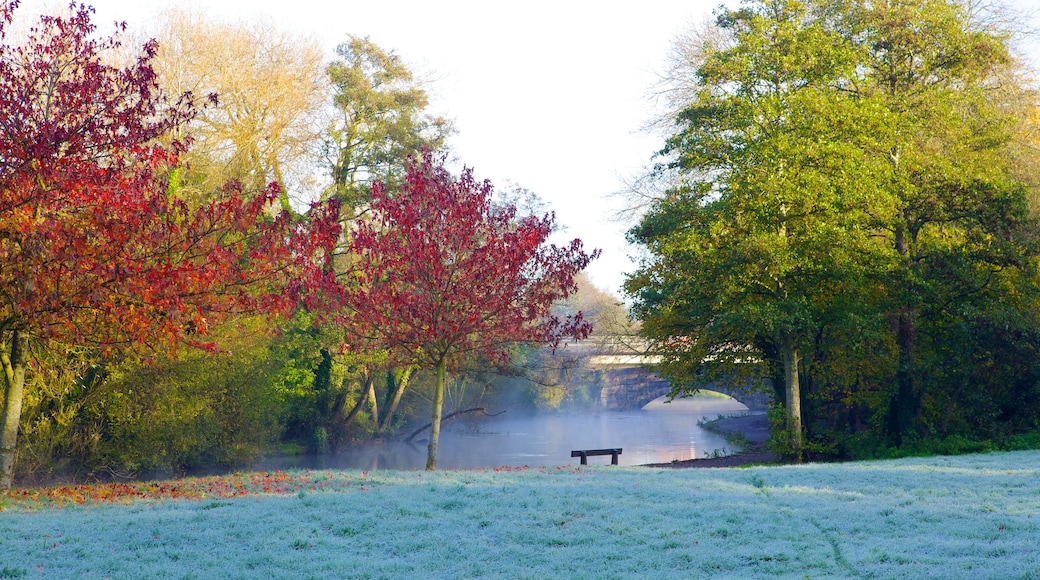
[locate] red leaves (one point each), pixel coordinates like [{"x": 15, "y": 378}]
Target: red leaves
[
  {"x": 217, "y": 487},
  {"x": 440, "y": 273},
  {"x": 94, "y": 247}
]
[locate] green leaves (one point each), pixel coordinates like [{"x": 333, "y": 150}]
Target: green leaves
[
  {"x": 381, "y": 120},
  {"x": 847, "y": 176}
]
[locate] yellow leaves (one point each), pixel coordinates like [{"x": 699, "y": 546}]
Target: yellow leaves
[{"x": 271, "y": 89}]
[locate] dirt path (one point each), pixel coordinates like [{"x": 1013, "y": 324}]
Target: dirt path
[{"x": 755, "y": 428}]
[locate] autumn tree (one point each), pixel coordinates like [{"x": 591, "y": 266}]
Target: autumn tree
[
  {"x": 442, "y": 276},
  {"x": 272, "y": 96},
  {"x": 96, "y": 247}
]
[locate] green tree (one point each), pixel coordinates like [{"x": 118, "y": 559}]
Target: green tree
[
  {"x": 955, "y": 208},
  {"x": 844, "y": 177},
  {"x": 380, "y": 120},
  {"x": 746, "y": 254}
]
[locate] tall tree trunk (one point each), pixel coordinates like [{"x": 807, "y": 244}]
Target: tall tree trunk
[
  {"x": 903, "y": 407},
  {"x": 438, "y": 406},
  {"x": 373, "y": 403},
  {"x": 14, "y": 374},
  {"x": 793, "y": 398},
  {"x": 402, "y": 382}
]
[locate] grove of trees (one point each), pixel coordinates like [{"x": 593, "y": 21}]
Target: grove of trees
[
  {"x": 167, "y": 297},
  {"x": 852, "y": 220},
  {"x": 219, "y": 243},
  {"x": 97, "y": 248}
]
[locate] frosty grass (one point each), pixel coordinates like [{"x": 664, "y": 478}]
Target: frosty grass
[{"x": 972, "y": 516}]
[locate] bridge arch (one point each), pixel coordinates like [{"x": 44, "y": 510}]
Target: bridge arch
[
  {"x": 622, "y": 366},
  {"x": 635, "y": 386}
]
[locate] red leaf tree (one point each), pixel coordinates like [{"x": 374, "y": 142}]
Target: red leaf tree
[
  {"x": 96, "y": 248},
  {"x": 441, "y": 275}
]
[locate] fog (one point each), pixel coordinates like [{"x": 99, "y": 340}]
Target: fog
[{"x": 658, "y": 433}]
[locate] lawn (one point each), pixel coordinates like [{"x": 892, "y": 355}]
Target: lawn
[{"x": 974, "y": 516}]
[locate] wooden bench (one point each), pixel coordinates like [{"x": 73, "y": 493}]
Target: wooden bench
[{"x": 584, "y": 454}]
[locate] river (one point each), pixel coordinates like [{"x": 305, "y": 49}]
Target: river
[{"x": 658, "y": 433}]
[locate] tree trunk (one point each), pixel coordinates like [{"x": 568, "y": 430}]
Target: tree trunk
[
  {"x": 793, "y": 398},
  {"x": 372, "y": 402},
  {"x": 438, "y": 405},
  {"x": 354, "y": 411},
  {"x": 402, "y": 382},
  {"x": 14, "y": 374},
  {"x": 903, "y": 408}
]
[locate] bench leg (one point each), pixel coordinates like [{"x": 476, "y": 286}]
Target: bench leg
[
  {"x": 584, "y": 459},
  {"x": 613, "y": 458}
]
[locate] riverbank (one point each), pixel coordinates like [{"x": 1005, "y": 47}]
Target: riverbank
[{"x": 752, "y": 430}]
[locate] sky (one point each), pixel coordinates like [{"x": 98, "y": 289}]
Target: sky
[{"x": 549, "y": 95}]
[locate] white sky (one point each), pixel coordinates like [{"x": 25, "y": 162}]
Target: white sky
[{"x": 548, "y": 94}]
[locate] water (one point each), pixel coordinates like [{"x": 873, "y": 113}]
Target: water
[{"x": 658, "y": 433}]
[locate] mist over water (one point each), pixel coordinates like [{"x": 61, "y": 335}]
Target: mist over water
[{"x": 658, "y": 433}]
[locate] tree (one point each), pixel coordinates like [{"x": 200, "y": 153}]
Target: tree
[
  {"x": 442, "y": 276},
  {"x": 844, "y": 176},
  {"x": 745, "y": 253},
  {"x": 96, "y": 247},
  {"x": 380, "y": 121},
  {"x": 938, "y": 71},
  {"x": 272, "y": 97}
]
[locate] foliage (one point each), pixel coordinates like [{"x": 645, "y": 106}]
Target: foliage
[
  {"x": 58, "y": 426},
  {"x": 440, "y": 276},
  {"x": 419, "y": 258},
  {"x": 95, "y": 249},
  {"x": 198, "y": 409},
  {"x": 266, "y": 125},
  {"x": 88, "y": 418},
  {"x": 862, "y": 448},
  {"x": 849, "y": 219},
  {"x": 764, "y": 218},
  {"x": 380, "y": 121}
]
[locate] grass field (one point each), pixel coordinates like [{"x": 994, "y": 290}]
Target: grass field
[{"x": 974, "y": 516}]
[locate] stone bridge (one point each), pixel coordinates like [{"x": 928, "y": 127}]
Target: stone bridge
[
  {"x": 634, "y": 386},
  {"x": 627, "y": 382}
]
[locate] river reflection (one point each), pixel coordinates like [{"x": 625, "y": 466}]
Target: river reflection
[{"x": 658, "y": 433}]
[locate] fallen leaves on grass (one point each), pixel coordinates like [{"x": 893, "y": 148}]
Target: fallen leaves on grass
[
  {"x": 192, "y": 488},
  {"x": 237, "y": 484}
]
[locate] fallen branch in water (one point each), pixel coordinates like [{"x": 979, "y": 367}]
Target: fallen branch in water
[{"x": 450, "y": 416}]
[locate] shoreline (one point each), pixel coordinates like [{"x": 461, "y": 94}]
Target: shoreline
[{"x": 752, "y": 428}]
